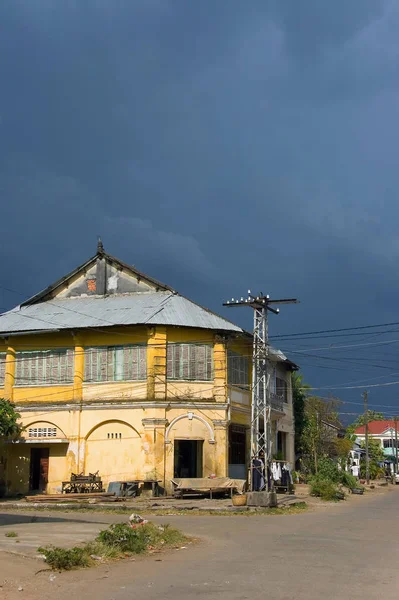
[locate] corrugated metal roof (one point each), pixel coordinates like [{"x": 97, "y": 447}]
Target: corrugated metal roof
[{"x": 158, "y": 308}]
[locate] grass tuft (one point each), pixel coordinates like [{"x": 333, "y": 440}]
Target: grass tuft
[{"x": 115, "y": 542}]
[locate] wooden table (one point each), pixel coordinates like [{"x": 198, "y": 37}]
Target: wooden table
[{"x": 153, "y": 482}]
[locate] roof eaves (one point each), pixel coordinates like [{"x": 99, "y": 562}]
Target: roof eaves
[{"x": 211, "y": 312}]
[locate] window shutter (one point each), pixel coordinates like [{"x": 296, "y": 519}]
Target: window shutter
[
  {"x": 70, "y": 358},
  {"x": 54, "y": 360},
  {"x": 142, "y": 363},
  {"x": 189, "y": 361},
  {"x": 170, "y": 361},
  {"x": 209, "y": 363},
  {"x": 2, "y": 367},
  {"x": 185, "y": 361},
  {"x": 102, "y": 364},
  {"x": 129, "y": 363},
  {"x": 117, "y": 364},
  {"x": 200, "y": 362}
]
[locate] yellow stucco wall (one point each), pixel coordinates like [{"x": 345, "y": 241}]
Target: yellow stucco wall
[
  {"x": 124, "y": 430},
  {"x": 119, "y": 428}
]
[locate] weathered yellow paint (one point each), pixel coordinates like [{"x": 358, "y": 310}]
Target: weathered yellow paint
[
  {"x": 36, "y": 394},
  {"x": 132, "y": 390},
  {"x": 79, "y": 369},
  {"x": 9, "y": 378},
  {"x": 145, "y": 413},
  {"x": 241, "y": 418},
  {"x": 18, "y": 466},
  {"x": 186, "y": 335},
  {"x": 156, "y": 363},
  {"x": 187, "y": 390},
  {"x": 220, "y": 371}
]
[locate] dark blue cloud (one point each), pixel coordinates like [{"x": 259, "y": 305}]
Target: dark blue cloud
[{"x": 219, "y": 146}]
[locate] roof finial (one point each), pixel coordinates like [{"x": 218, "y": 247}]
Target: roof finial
[{"x": 100, "y": 247}]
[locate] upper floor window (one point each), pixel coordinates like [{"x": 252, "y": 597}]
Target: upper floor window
[
  {"x": 116, "y": 363},
  {"x": 390, "y": 444},
  {"x": 190, "y": 362},
  {"x": 281, "y": 388},
  {"x": 2, "y": 367},
  {"x": 237, "y": 369},
  {"x": 44, "y": 367}
]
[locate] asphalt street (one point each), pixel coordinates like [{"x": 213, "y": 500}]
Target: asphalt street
[{"x": 344, "y": 551}]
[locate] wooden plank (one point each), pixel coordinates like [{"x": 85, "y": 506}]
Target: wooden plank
[{"x": 69, "y": 496}]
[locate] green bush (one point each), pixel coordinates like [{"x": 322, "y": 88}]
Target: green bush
[
  {"x": 124, "y": 538},
  {"x": 348, "y": 480},
  {"x": 65, "y": 558},
  {"x": 323, "y": 488},
  {"x": 328, "y": 470}
]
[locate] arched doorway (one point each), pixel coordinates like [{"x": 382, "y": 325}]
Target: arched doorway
[{"x": 192, "y": 438}]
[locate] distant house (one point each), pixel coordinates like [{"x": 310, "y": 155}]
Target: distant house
[{"x": 381, "y": 431}]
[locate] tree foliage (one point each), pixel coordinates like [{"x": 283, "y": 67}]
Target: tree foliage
[
  {"x": 9, "y": 426},
  {"x": 319, "y": 438},
  {"x": 376, "y": 456},
  {"x": 299, "y": 394},
  {"x": 373, "y": 415}
]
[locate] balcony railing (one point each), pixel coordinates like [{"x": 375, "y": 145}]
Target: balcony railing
[{"x": 277, "y": 402}]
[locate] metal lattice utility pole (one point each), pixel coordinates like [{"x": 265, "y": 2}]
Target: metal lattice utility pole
[
  {"x": 261, "y": 406},
  {"x": 396, "y": 443},
  {"x": 366, "y": 422}
]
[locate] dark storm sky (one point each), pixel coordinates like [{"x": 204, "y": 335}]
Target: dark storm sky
[{"x": 218, "y": 146}]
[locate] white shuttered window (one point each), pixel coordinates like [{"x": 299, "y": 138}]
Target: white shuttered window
[
  {"x": 44, "y": 367},
  {"x": 116, "y": 363},
  {"x": 190, "y": 362}
]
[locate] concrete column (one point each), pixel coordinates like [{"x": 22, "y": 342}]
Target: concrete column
[
  {"x": 9, "y": 378},
  {"x": 154, "y": 432},
  {"x": 221, "y": 448},
  {"x": 220, "y": 370},
  {"x": 79, "y": 369},
  {"x": 156, "y": 363}
]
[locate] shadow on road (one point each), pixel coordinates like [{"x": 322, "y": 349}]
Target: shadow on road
[{"x": 7, "y": 519}]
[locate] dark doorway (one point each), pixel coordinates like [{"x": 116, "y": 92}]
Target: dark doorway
[
  {"x": 188, "y": 458},
  {"x": 237, "y": 452},
  {"x": 39, "y": 459},
  {"x": 281, "y": 445}
]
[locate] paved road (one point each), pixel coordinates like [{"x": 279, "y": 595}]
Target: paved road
[{"x": 347, "y": 551}]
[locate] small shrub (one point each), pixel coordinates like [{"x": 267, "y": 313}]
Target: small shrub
[
  {"x": 65, "y": 558},
  {"x": 325, "y": 489},
  {"x": 348, "y": 480},
  {"x": 11, "y": 534},
  {"x": 112, "y": 543},
  {"x": 328, "y": 470},
  {"x": 123, "y": 538}
]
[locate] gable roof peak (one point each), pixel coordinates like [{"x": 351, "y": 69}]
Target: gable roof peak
[{"x": 100, "y": 247}]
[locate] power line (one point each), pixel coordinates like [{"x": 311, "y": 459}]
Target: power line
[{"x": 285, "y": 335}]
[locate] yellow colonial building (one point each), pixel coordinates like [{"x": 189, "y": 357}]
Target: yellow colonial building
[{"x": 115, "y": 372}]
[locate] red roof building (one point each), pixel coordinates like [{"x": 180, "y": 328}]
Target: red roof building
[{"x": 376, "y": 427}]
